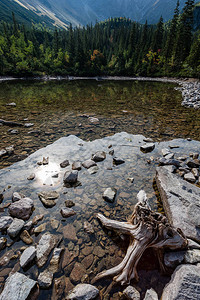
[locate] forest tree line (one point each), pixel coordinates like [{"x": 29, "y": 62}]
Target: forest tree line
[{"x": 118, "y": 46}]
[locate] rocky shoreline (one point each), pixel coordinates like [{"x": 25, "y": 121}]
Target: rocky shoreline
[
  {"x": 68, "y": 247},
  {"x": 190, "y": 88}
]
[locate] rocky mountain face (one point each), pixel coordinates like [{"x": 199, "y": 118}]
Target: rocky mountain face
[{"x": 82, "y": 12}]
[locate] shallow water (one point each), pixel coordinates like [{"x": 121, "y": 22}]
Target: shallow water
[
  {"x": 60, "y": 108},
  {"x": 103, "y": 249}
]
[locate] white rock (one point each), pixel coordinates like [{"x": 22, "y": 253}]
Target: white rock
[
  {"x": 17, "y": 287},
  {"x": 192, "y": 256},
  {"x": 109, "y": 194},
  {"x": 46, "y": 244},
  {"x": 45, "y": 279},
  {"x": 27, "y": 256},
  {"x": 131, "y": 293},
  {"x": 83, "y": 292},
  {"x": 184, "y": 284},
  {"x": 151, "y": 295}
]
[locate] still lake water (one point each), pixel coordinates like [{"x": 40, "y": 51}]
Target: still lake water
[{"x": 62, "y": 108}]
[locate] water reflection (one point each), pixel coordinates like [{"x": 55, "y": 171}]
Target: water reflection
[{"x": 61, "y": 108}]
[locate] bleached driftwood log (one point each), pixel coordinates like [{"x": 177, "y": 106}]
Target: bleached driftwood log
[{"x": 146, "y": 229}]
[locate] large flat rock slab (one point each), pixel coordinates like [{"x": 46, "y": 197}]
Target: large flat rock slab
[
  {"x": 184, "y": 285},
  {"x": 181, "y": 201}
]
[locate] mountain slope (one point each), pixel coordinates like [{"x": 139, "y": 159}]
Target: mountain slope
[
  {"x": 86, "y": 11},
  {"x": 27, "y": 17}
]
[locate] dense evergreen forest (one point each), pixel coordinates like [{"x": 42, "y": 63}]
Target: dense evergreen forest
[{"x": 115, "y": 47}]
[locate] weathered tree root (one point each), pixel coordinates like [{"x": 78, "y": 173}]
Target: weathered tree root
[{"x": 146, "y": 229}]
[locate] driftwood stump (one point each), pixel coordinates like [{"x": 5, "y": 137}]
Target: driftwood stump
[{"x": 146, "y": 229}]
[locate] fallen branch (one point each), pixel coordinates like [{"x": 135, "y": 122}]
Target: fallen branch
[{"x": 146, "y": 229}]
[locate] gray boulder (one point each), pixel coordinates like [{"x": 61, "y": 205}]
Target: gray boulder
[
  {"x": 181, "y": 202},
  {"x": 184, "y": 284},
  {"x": 173, "y": 259},
  {"x": 15, "y": 227},
  {"x": 27, "y": 256},
  {"x": 131, "y": 293},
  {"x": 18, "y": 287},
  {"x": 83, "y": 292},
  {"x": 21, "y": 209}
]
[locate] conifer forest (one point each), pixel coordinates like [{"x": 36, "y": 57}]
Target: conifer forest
[{"x": 118, "y": 46}]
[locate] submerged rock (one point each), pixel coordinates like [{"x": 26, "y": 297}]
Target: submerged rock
[
  {"x": 26, "y": 238},
  {"x": 184, "y": 284},
  {"x": 46, "y": 244},
  {"x": 67, "y": 212},
  {"x": 54, "y": 262},
  {"x": 83, "y": 292},
  {"x": 27, "y": 256},
  {"x": 17, "y": 286},
  {"x": 69, "y": 203},
  {"x": 88, "y": 227},
  {"x": 48, "y": 198},
  {"x": 21, "y": 209},
  {"x": 109, "y": 194},
  {"x": 3, "y": 242}
]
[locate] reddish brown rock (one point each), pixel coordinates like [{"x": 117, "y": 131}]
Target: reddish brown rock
[
  {"x": 69, "y": 232},
  {"x": 77, "y": 273},
  {"x": 87, "y": 250},
  {"x": 87, "y": 261}
]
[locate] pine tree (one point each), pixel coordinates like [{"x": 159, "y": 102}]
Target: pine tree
[
  {"x": 172, "y": 32},
  {"x": 158, "y": 36},
  {"x": 184, "y": 34}
]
